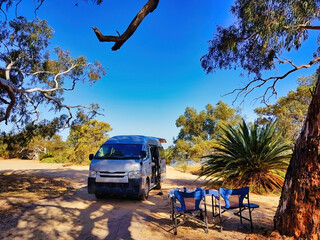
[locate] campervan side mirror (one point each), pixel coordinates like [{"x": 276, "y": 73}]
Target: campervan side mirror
[
  {"x": 91, "y": 156},
  {"x": 143, "y": 154}
]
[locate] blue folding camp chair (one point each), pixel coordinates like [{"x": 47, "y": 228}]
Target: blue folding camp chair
[
  {"x": 234, "y": 201},
  {"x": 189, "y": 207}
]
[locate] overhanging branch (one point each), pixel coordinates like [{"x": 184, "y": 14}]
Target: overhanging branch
[
  {"x": 149, "y": 7},
  {"x": 309, "y": 27},
  {"x": 10, "y": 104},
  {"x": 11, "y": 91},
  {"x": 259, "y": 82}
]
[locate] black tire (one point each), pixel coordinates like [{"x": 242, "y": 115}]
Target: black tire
[
  {"x": 158, "y": 186},
  {"x": 99, "y": 195},
  {"x": 145, "y": 194}
]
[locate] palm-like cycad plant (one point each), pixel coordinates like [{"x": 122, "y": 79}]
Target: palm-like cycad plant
[{"x": 248, "y": 156}]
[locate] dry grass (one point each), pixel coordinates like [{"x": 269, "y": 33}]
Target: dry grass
[{"x": 186, "y": 168}]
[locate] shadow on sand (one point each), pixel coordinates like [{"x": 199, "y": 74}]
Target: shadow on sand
[{"x": 78, "y": 215}]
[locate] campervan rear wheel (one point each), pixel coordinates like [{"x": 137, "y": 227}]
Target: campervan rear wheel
[
  {"x": 158, "y": 186},
  {"x": 145, "y": 193}
]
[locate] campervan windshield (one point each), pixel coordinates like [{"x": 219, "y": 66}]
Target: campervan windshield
[{"x": 119, "y": 151}]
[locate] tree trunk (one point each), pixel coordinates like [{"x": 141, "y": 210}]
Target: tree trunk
[{"x": 298, "y": 213}]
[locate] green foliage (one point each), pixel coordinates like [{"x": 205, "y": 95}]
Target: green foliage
[
  {"x": 168, "y": 154},
  {"x": 199, "y": 130},
  {"x": 30, "y": 76},
  {"x": 85, "y": 139},
  {"x": 29, "y": 142},
  {"x": 262, "y": 30},
  {"x": 45, "y": 155},
  {"x": 248, "y": 156},
  {"x": 41, "y": 142},
  {"x": 290, "y": 111},
  {"x": 205, "y": 124}
]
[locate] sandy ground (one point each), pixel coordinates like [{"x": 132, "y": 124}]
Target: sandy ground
[{"x": 79, "y": 215}]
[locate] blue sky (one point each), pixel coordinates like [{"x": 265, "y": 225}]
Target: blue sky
[{"x": 157, "y": 73}]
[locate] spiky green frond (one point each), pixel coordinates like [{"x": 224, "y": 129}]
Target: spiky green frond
[{"x": 248, "y": 156}]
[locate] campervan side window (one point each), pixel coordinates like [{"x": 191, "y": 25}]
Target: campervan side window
[{"x": 119, "y": 151}]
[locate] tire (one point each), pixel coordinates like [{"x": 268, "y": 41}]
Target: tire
[
  {"x": 158, "y": 186},
  {"x": 145, "y": 194},
  {"x": 99, "y": 195}
]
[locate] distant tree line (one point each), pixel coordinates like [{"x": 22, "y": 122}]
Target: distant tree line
[
  {"x": 200, "y": 130},
  {"x": 42, "y": 142}
]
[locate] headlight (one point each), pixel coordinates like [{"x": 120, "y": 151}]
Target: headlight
[
  {"x": 135, "y": 174},
  {"x": 92, "y": 174}
]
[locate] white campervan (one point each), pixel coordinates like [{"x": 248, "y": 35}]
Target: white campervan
[{"x": 128, "y": 166}]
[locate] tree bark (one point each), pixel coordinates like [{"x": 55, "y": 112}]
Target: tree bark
[
  {"x": 298, "y": 213},
  {"x": 149, "y": 7}
]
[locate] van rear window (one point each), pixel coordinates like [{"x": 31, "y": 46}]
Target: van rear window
[{"x": 119, "y": 151}]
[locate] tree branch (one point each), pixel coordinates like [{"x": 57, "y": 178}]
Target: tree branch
[
  {"x": 302, "y": 26},
  {"x": 35, "y": 11},
  {"x": 34, "y": 106},
  {"x": 259, "y": 82},
  {"x": 5, "y": 15},
  {"x": 12, "y": 97},
  {"x": 68, "y": 107},
  {"x": 309, "y": 27},
  {"x": 12, "y": 90},
  {"x": 16, "y": 10},
  {"x": 149, "y": 7}
]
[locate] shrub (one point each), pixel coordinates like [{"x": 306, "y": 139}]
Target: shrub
[
  {"x": 248, "y": 156},
  {"x": 54, "y": 160},
  {"x": 45, "y": 155}
]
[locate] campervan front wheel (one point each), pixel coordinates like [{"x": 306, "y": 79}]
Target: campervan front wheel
[
  {"x": 145, "y": 193},
  {"x": 99, "y": 195}
]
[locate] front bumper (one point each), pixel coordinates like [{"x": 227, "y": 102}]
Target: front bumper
[{"x": 132, "y": 188}]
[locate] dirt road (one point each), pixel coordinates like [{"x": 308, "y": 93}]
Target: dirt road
[{"x": 78, "y": 215}]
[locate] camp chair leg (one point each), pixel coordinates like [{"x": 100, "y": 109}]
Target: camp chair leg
[
  {"x": 172, "y": 209},
  {"x": 213, "y": 206},
  {"x": 201, "y": 215},
  {"x": 173, "y": 217},
  {"x": 206, "y": 217},
  {"x": 175, "y": 224},
  {"x": 206, "y": 221},
  {"x": 241, "y": 215},
  {"x": 220, "y": 216},
  {"x": 250, "y": 217}
]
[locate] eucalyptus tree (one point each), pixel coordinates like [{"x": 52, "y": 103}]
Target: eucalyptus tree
[
  {"x": 86, "y": 138},
  {"x": 198, "y": 130},
  {"x": 263, "y": 31},
  {"x": 290, "y": 110},
  {"x": 31, "y": 75},
  {"x": 206, "y": 123},
  {"x": 14, "y": 145}
]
